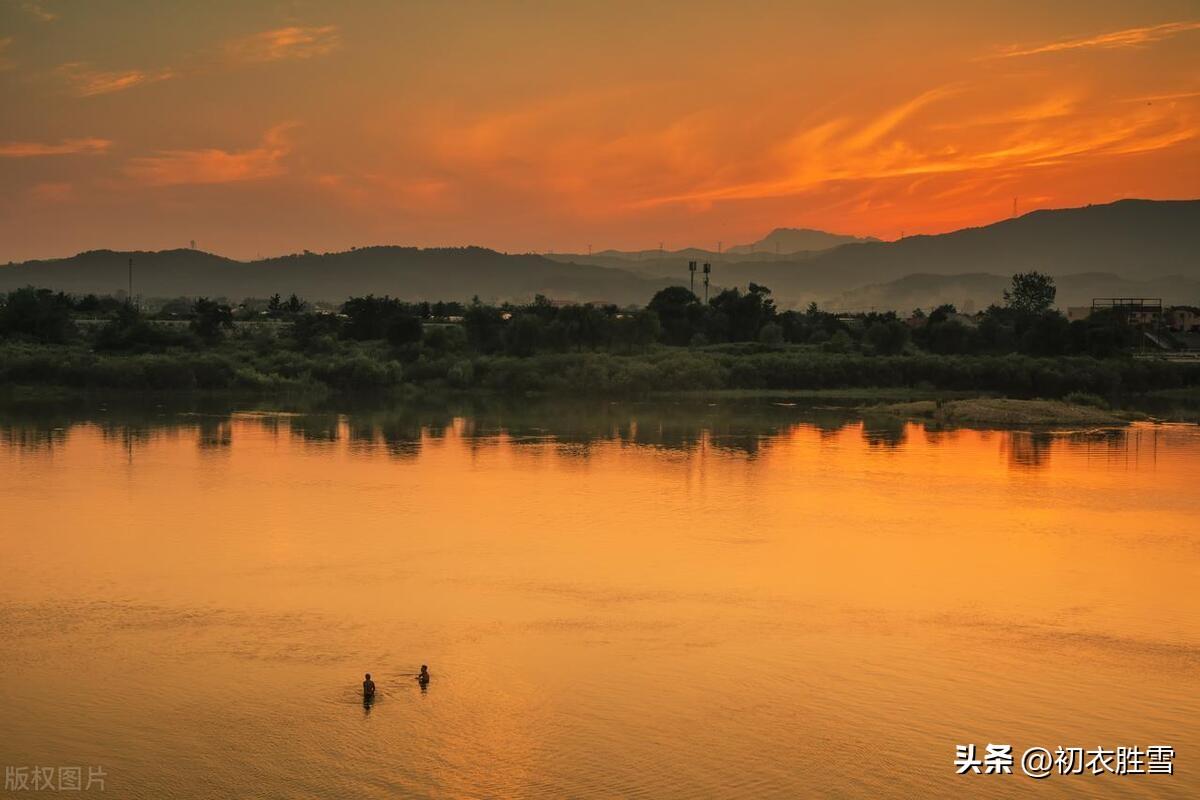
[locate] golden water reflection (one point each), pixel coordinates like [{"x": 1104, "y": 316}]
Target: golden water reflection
[{"x": 668, "y": 601}]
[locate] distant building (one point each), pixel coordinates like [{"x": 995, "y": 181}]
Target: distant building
[
  {"x": 1185, "y": 319},
  {"x": 1135, "y": 310}
]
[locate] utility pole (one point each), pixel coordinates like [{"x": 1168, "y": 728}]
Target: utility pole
[
  {"x": 129, "y": 299},
  {"x": 692, "y": 276},
  {"x": 707, "y": 270}
]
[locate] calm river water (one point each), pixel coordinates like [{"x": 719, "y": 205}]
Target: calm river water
[{"x": 620, "y": 601}]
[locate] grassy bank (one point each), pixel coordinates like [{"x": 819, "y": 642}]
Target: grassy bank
[{"x": 264, "y": 366}]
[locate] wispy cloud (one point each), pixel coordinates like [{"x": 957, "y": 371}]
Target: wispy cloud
[
  {"x": 1130, "y": 37},
  {"x": 36, "y": 8},
  {"x": 1163, "y": 98},
  {"x": 285, "y": 43},
  {"x": 274, "y": 45},
  {"x": 88, "y": 82},
  {"x": 67, "y": 147},
  {"x": 886, "y": 123},
  {"x": 830, "y": 153},
  {"x": 1055, "y": 106},
  {"x": 177, "y": 167}
]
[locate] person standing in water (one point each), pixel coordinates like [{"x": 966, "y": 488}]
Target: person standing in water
[
  {"x": 368, "y": 688},
  {"x": 423, "y": 676}
]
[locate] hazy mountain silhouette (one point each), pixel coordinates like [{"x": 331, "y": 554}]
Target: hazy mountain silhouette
[
  {"x": 785, "y": 241},
  {"x": 794, "y": 243},
  {"x": 664, "y": 263},
  {"x": 1135, "y": 239},
  {"x": 408, "y": 272},
  {"x": 1136, "y": 247}
]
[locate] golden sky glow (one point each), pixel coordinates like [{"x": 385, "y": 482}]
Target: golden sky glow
[{"x": 272, "y": 127}]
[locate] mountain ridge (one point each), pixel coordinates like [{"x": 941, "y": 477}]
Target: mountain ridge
[{"x": 1125, "y": 242}]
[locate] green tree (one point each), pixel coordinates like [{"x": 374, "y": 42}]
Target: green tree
[
  {"x": 369, "y": 317},
  {"x": 887, "y": 337},
  {"x": 948, "y": 338},
  {"x": 678, "y": 312},
  {"x": 745, "y": 313},
  {"x": 840, "y": 342},
  {"x": 210, "y": 318},
  {"x": 129, "y": 331},
  {"x": 295, "y": 305},
  {"x": 635, "y": 331},
  {"x": 940, "y": 314},
  {"x": 771, "y": 334},
  {"x": 38, "y": 314},
  {"x": 446, "y": 338},
  {"x": 315, "y": 332},
  {"x": 1048, "y": 334},
  {"x": 1031, "y": 293},
  {"x": 523, "y": 334},
  {"x": 404, "y": 329},
  {"x": 483, "y": 325}
]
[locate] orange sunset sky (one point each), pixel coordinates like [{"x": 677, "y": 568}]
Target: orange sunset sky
[{"x": 271, "y": 127}]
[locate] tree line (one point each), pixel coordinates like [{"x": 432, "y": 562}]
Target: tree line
[{"x": 1025, "y": 322}]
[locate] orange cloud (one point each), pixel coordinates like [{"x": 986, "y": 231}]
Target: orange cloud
[
  {"x": 67, "y": 147},
  {"x": 34, "y": 7},
  {"x": 285, "y": 43},
  {"x": 52, "y": 192},
  {"x": 4, "y": 45},
  {"x": 176, "y": 167},
  {"x": 1036, "y": 136},
  {"x": 1130, "y": 37},
  {"x": 87, "y": 82},
  {"x": 1156, "y": 98}
]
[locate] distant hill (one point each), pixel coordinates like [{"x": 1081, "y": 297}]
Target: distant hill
[
  {"x": 1134, "y": 239},
  {"x": 662, "y": 263},
  {"x": 785, "y": 241},
  {"x": 1131, "y": 247},
  {"x": 793, "y": 244},
  {"x": 407, "y": 272}
]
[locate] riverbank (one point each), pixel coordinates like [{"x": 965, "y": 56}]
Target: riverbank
[{"x": 264, "y": 367}]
